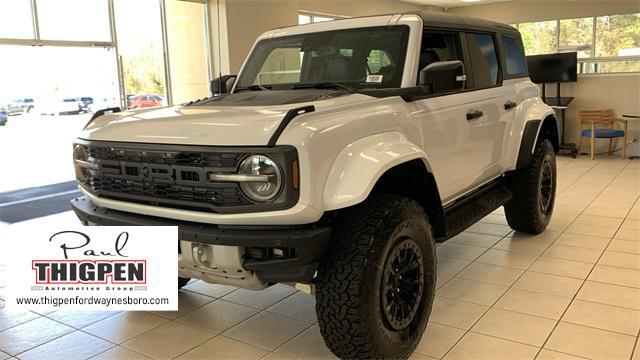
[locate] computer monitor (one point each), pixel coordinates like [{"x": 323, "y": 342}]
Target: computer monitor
[{"x": 553, "y": 68}]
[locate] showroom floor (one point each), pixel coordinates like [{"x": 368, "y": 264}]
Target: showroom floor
[{"x": 574, "y": 290}]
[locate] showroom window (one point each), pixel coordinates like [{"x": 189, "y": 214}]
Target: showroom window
[{"x": 605, "y": 44}]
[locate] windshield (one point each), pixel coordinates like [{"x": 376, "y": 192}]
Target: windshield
[{"x": 359, "y": 58}]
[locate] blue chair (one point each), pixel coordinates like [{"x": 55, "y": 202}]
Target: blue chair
[{"x": 595, "y": 119}]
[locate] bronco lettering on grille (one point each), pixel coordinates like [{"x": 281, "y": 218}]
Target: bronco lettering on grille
[{"x": 156, "y": 173}]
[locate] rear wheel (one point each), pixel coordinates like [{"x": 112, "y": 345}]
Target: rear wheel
[
  {"x": 534, "y": 191},
  {"x": 375, "y": 288}
]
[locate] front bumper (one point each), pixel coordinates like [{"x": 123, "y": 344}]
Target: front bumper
[{"x": 302, "y": 247}]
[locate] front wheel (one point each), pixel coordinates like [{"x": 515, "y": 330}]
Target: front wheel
[
  {"x": 534, "y": 191},
  {"x": 376, "y": 286}
]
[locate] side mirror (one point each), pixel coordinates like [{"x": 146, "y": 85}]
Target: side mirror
[
  {"x": 223, "y": 84},
  {"x": 443, "y": 77}
]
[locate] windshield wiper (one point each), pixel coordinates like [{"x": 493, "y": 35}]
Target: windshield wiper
[
  {"x": 254, "y": 88},
  {"x": 325, "y": 85}
]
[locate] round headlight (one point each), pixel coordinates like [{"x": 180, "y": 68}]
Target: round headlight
[{"x": 268, "y": 179}]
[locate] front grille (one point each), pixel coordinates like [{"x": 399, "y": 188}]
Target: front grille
[{"x": 165, "y": 178}]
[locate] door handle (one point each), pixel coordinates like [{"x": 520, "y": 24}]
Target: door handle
[
  {"x": 474, "y": 114},
  {"x": 510, "y": 105}
]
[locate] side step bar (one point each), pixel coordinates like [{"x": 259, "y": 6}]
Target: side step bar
[{"x": 473, "y": 207}]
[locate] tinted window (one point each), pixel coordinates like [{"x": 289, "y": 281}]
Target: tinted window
[
  {"x": 484, "y": 60},
  {"x": 439, "y": 47},
  {"x": 513, "y": 55}
]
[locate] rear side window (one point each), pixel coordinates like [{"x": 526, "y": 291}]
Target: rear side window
[
  {"x": 484, "y": 60},
  {"x": 514, "y": 55}
]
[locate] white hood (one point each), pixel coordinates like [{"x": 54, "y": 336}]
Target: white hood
[{"x": 225, "y": 125}]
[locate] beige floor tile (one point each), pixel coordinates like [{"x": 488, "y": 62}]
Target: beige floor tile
[
  {"x": 609, "y": 212},
  {"x": 623, "y": 260},
  {"x": 276, "y": 356},
  {"x": 628, "y": 234},
  {"x": 472, "y": 291},
  {"x": 31, "y": 334},
  {"x": 533, "y": 303},
  {"x": 592, "y": 230},
  {"x": 493, "y": 274},
  {"x": 603, "y": 316},
  {"x": 561, "y": 267},
  {"x": 260, "y": 299},
  {"x": 10, "y": 318},
  {"x": 631, "y": 224},
  {"x": 522, "y": 245},
  {"x": 495, "y": 219},
  {"x": 636, "y": 351},
  {"x": 475, "y": 239},
  {"x": 76, "y": 345},
  {"x": 418, "y": 356},
  {"x": 447, "y": 268},
  {"x": 213, "y": 290},
  {"x": 79, "y": 319},
  {"x": 187, "y": 302},
  {"x": 615, "y": 295},
  {"x": 546, "y": 354},
  {"x": 120, "y": 353},
  {"x": 456, "y": 313},
  {"x": 266, "y": 330},
  {"x": 490, "y": 229},
  {"x": 125, "y": 326},
  {"x": 585, "y": 241},
  {"x": 223, "y": 348},
  {"x": 438, "y": 339},
  {"x": 624, "y": 246},
  {"x": 457, "y": 251},
  {"x": 548, "y": 284},
  {"x": 598, "y": 220},
  {"x": 509, "y": 259},
  {"x": 299, "y": 306},
  {"x": 515, "y": 326},
  {"x": 573, "y": 253},
  {"x": 590, "y": 343},
  {"x": 218, "y": 316},
  {"x": 558, "y": 225},
  {"x": 308, "y": 345},
  {"x": 615, "y": 275},
  {"x": 547, "y": 236},
  {"x": 168, "y": 340},
  {"x": 482, "y": 347}
]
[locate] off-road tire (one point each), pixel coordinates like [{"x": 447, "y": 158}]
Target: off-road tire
[
  {"x": 525, "y": 211},
  {"x": 182, "y": 282},
  {"x": 350, "y": 288}
]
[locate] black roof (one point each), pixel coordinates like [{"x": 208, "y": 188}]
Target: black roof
[{"x": 450, "y": 21}]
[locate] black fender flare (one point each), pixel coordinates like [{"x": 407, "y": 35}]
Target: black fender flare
[{"x": 533, "y": 130}]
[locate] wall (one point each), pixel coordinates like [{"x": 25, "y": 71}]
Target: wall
[
  {"x": 247, "y": 19},
  {"x": 620, "y": 92}
]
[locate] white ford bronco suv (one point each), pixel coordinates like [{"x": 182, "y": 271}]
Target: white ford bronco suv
[{"x": 338, "y": 158}]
